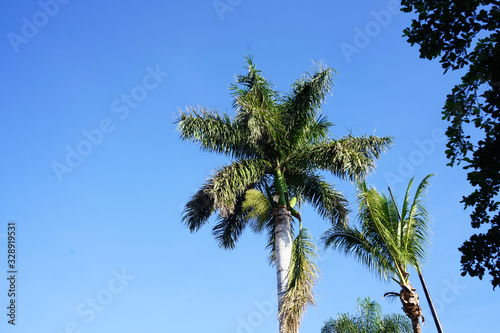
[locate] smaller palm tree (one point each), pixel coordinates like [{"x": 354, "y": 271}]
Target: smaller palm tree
[
  {"x": 389, "y": 242},
  {"x": 369, "y": 319}
]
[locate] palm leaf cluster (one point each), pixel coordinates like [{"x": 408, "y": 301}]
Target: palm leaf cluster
[
  {"x": 369, "y": 319},
  {"x": 277, "y": 143},
  {"x": 385, "y": 242}
]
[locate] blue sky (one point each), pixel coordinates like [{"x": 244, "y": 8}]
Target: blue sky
[{"x": 96, "y": 176}]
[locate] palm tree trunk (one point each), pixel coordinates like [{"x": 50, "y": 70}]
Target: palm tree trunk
[
  {"x": 415, "y": 323},
  {"x": 283, "y": 250},
  {"x": 431, "y": 304},
  {"x": 411, "y": 306}
]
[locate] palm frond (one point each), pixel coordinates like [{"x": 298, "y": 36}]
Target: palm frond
[
  {"x": 257, "y": 208},
  {"x": 263, "y": 124},
  {"x": 349, "y": 158},
  {"x": 344, "y": 323},
  {"x": 255, "y": 103},
  {"x": 361, "y": 246},
  {"x": 317, "y": 130},
  {"x": 328, "y": 202},
  {"x": 301, "y": 106},
  {"x": 369, "y": 312},
  {"x": 214, "y": 132},
  {"x": 233, "y": 180},
  {"x": 417, "y": 223},
  {"x": 395, "y": 323},
  {"x": 379, "y": 219},
  {"x": 302, "y": 277},
  {"x": 199, "y": 208},
  {"x": 255, "y": 84},
  {"x": 230, "y": 227}
]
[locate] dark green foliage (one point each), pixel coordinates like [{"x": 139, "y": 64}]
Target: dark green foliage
[{"x": 465, "y": 34}]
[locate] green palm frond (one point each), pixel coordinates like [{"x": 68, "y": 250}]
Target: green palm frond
[
  {"x": 369, "y": 311},
  {"x": 199, "y": 208},
  {"x": 302, "y": 277},
  {"x": 263, "y": 125},
  {"x": 255, "y": 84},
  {"x": 379, "y": 217},
  {"x": 214, "y": 132},
  {"x": 395, "y": 323},
  {"x": 234, "y": 179},
  {"x": 301, "y": 105},
  {"x": 229, "y": 228},
  {"x": 344, "y": 323},
  {"x": 419, "y": 219},
  {"x": 258, "y": 209},
  {"x": 348, "y": 158},
  {"x": 255, "y": 104},
  {"x": 317, "y": 130},
  {"x": 362, "y": 246},
  {"x": 328, "y": 202},
  {"x": 414, "y": 222},
  {"x": 271, "y": 242}
]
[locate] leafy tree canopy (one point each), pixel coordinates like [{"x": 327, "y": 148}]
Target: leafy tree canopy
[{"x": 464, "y": 34}]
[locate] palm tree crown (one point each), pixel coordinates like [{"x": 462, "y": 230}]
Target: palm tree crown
[{"x": 277, "y": 142}]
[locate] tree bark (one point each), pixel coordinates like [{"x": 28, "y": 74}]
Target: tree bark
[
  {"x": 283, "y": 250},
  {"x": 411, "y": 306}
]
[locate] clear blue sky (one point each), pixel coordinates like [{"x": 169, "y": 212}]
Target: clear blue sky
[{"x": 100, "y": 243}]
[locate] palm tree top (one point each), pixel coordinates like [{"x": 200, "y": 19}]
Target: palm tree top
[
  {"x": 276, "y": 141},
  {"x": 388, "y": 241},
  {"x": 267, "y": 124}
]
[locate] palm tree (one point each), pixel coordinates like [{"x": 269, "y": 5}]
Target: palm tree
[
  {"x": 435, "y": 316},
  {"x": 368, "y": 320},
  {"x": 388, "y": 243},
  {"x": 277, "y": 143}
]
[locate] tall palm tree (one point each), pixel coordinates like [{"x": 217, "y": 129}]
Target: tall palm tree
[
  {"x": 278, "y": 142},
  {"x": 369, "y": 319},
  {"x": 389, "y": 242}
]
